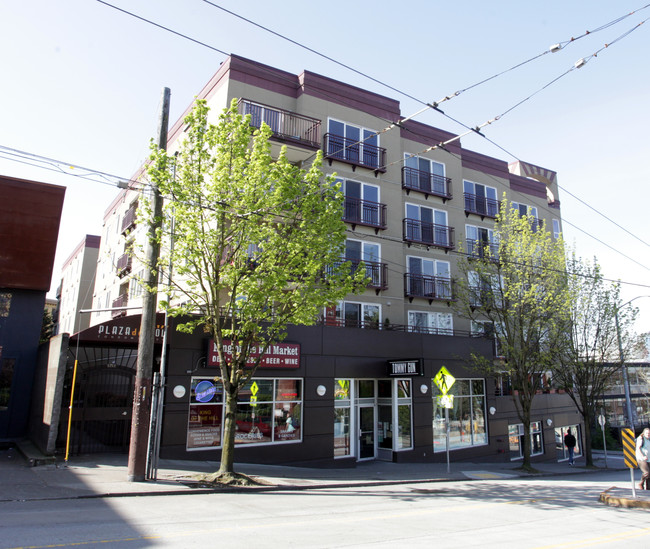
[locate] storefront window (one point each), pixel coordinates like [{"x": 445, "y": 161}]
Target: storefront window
[
  {"x": 404, "y": 425},
  {"x": 206, "y": 413},
  {"x": 516, "y": 439},
  {"x": 342, "y": 432},
  {"x": 268, "y": 411},
  {"x": 342, "y": 415},
  {"x": 467, "y": 425}
]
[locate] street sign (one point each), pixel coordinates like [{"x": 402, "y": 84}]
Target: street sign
[
  {"x": 629, "y": 448},
  {"x": 444, "y": 380},
  {"x": 254, "y": 388},
  {"x": 445, "y": 401},
  {"x": 253, "y": 401},
  {"x": 601, "y": 420}
]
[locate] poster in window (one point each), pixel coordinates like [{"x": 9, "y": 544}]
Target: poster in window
[{"x": 204, "y": 426}]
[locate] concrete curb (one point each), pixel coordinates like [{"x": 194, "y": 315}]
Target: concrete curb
[{"x": 614, "y": 499}]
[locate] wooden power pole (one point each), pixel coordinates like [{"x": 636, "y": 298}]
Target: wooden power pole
[{"x": 144, "y": 369}]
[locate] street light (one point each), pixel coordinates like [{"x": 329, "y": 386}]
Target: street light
[{"x": 626, "y": 381}]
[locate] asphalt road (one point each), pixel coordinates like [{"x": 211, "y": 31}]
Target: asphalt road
[{"x": 521, "y": 513}]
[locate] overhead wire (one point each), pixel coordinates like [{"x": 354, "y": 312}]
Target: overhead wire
[
  {"x": 476, "y": 130},
  {"x": 434, "y": 105}
]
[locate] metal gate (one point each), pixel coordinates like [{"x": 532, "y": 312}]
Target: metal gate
[{"x": 103, "y": 401}]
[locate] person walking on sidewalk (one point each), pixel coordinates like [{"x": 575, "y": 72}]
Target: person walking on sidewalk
[
  {"x": 570, "y": 443},
  {"x": 642, "y": 453}
]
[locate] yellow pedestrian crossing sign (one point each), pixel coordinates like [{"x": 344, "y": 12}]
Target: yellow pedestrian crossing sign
[
  {"x": 444, "y": 380},
  {"x": 254, "y": 388}
]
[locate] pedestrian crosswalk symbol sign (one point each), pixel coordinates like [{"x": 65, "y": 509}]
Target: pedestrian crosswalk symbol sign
[{"x": 444, "y": 380}]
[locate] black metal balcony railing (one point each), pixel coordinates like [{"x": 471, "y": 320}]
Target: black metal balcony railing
[
  {"x": 429, "y": 287},
  {"x": 354, "y": 152},
  {"x": 364, "y": 212},
  {"x": 376, "y": 272},
  {"x": 128, "y": 222},
  {"x": 124, "y": 263},
  {"x": 480, "y": 205},
  {"x": 286, "y": 125},
  {"x": 485, "y": 298},
  {"x": 479, "y": 249},
  {"x": 426, "y": 182},
  {"x": 430, "y": 234},
  {"x": 121, "y": 301}
]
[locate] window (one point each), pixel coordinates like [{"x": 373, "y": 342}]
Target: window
[
  {"x": 530, "y": 211},
  {"x": 480, "y": 199},
  {"x": 516, "y": 439},
  {"x": 485, "y": 328},
  {"x": 486, "y": 291},
  {"x": 358, "y": 315},
  {"x": 467, "y": 425},
  {"x": 260, "y": 113},
  {"x": 268, "y": 411},
  {"x": 481, "y": 242},
  {"x": 368, "y": 252},
  {"x": 361, "y": 203},
  {"x": 425, "y": 175},
  {"x": 556, "y": 228},
  {"x": 135, "y": 288},
  {"x": 431, "y": 323},
  {"x": 342, "y": 417},
  {"x": 353, "y": 144},
  {"x": 404, "y": 435},
  {"x": 427, "y": 226},
  {"x": 428, "y": 278}
]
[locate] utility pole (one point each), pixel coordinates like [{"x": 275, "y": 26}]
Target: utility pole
[{"x": 144, "y": 369}]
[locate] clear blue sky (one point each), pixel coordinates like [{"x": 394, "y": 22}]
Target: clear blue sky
[{"x": 82, "y": 81}]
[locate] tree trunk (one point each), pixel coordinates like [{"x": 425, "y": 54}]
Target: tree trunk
[
  {"x": 230, "y": 426},
  {"x": 527, "y": 445}
]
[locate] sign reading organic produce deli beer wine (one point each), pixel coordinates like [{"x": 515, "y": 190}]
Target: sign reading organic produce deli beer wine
[{"x": 278, "y": 355}]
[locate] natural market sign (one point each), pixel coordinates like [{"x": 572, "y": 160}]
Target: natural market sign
[
  {"x": 405, "y": 367},
  {"x": 278, "y": 355}
]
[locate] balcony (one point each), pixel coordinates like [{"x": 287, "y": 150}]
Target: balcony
[
  {"x": 429, "y": 234},
  {"x": 484, "y": 297},
  {"x": 287, "y": 126},
  {"x": 356, "y": 153},
  {"x": 427, "y": 183},
  {"x": 376, "y": 272},
  {"x": 128, "y": 223},
  {"x": 480, "y": 249},
  {"x": 364, "y": 212},
  {"x": 433, "y": 288},
  {"x": 121, "y": 301},
  {"x": 480, "y": 205},
  {"x": 124, "y": 263}
]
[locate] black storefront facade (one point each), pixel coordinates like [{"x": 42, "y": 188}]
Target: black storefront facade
[{"x": 326, "y": 396}]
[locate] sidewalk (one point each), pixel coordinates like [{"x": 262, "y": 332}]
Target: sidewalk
[{"x": 105, "y": 475}]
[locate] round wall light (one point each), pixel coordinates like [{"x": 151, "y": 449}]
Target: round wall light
[
  {"x": 424, "y": 388},
  {"x": 493, "y": 410},
  {"x": 321, "y": 390}
]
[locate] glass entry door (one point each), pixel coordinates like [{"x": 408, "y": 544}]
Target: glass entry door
[{"x": 366, "y": 432}]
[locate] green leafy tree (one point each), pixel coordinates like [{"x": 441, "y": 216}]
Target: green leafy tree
[
  {"x": 518, "y": 295},
  {"x": 587, "y": 352},
  {"x": 257, "y": 244},
  {"x": 47, "y": 327}
]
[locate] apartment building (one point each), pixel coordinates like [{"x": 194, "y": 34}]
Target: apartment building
[
  {"x": 410, "y": 209},
  {"x": 77, "y": 285}
]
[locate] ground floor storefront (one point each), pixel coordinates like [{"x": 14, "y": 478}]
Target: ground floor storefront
[{"x": 326, "y": 396}]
